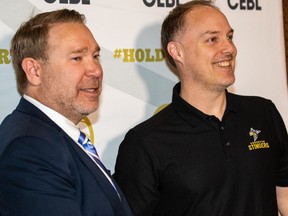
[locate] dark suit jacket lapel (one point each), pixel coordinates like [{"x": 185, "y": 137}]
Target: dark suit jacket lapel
[{"x": 101, "y": 179}]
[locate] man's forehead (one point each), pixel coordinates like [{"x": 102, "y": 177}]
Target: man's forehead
[
  {"x": 206, "y": 18},
  {"x": 66, "y": 36}
]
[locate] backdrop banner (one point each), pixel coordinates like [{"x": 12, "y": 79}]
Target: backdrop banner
[{"x": 137, "y": 80}]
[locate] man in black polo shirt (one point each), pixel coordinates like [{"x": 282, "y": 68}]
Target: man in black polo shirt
[{"x": 209, "y": 152}]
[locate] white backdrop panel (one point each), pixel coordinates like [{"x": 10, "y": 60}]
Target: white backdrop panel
[{"x": 136, "y": 78}]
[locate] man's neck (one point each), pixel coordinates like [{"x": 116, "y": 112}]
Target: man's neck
[{"x": 207, "y": 101}]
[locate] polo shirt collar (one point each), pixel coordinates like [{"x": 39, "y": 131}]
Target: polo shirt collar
[{"x": 192, "y": 115}]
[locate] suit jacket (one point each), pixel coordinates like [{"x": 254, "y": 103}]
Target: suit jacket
[{"x": 43, "y": 172}]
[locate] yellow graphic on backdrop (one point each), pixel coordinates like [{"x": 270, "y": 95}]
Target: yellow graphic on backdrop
[
  {"x": 87, "y": 123},
  {"x": 160, "y": 108},
  {"x": 5, "y": 56},
  {"x": 139, "y": 55}
]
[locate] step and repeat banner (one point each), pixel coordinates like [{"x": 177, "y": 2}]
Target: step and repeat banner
[{"x": 137, "y": 80}]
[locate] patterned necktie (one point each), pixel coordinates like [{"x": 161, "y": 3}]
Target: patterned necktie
[{"x": 91, "y": 150}]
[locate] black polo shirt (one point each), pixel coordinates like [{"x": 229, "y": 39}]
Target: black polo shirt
[{"x": 184, "y": 162}]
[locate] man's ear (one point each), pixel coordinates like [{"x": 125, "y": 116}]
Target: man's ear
[
  {"x": 32, "y": 69},
  {"x": 174, "y": 49}
]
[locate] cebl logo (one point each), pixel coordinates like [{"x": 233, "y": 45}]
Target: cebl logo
[
  {"x": 69, "y": 1},
  {"x": 244, "y": 4},
  {"x": 161, "y": 3}
]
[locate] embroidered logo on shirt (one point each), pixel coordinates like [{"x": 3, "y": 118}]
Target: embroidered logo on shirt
[
  {"x": 254, "y": 133},
  {"x": 261, "y": 144}
]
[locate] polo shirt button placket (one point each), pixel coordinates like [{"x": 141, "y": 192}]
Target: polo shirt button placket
[{"x": 227, "y": 143}]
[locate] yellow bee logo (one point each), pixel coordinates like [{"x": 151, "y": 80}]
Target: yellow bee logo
[{"x": 254, "y": 133}]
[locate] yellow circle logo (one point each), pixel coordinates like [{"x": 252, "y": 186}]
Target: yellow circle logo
[
  {"x": 160, "y": 108},
  {"x": 87, "y": 123}
]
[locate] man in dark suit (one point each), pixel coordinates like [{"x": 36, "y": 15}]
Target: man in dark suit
[{"x": 44, "y": 167}]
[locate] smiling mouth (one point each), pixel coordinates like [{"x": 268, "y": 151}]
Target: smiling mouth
[
  {"x": 223, "y": 64},
  {"x": 94, "y": 92},
  {"x": 89, "y": 89}
]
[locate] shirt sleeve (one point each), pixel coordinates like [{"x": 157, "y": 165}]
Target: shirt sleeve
[
  {"x": 137, "y": 175},
  {"x": 283, "y": 141}
]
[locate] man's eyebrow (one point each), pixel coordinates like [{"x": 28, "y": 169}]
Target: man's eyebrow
[
  {"x": 209, "y": 33},
  {"x": 80, "y": 50},
  {"x": 216, "y": 32},
  {"x": 84, "y": 49},
  {"x": 231, "y": 31}
]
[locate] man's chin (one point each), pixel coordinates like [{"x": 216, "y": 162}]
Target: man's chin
[{"x": 87, "y": 112}]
